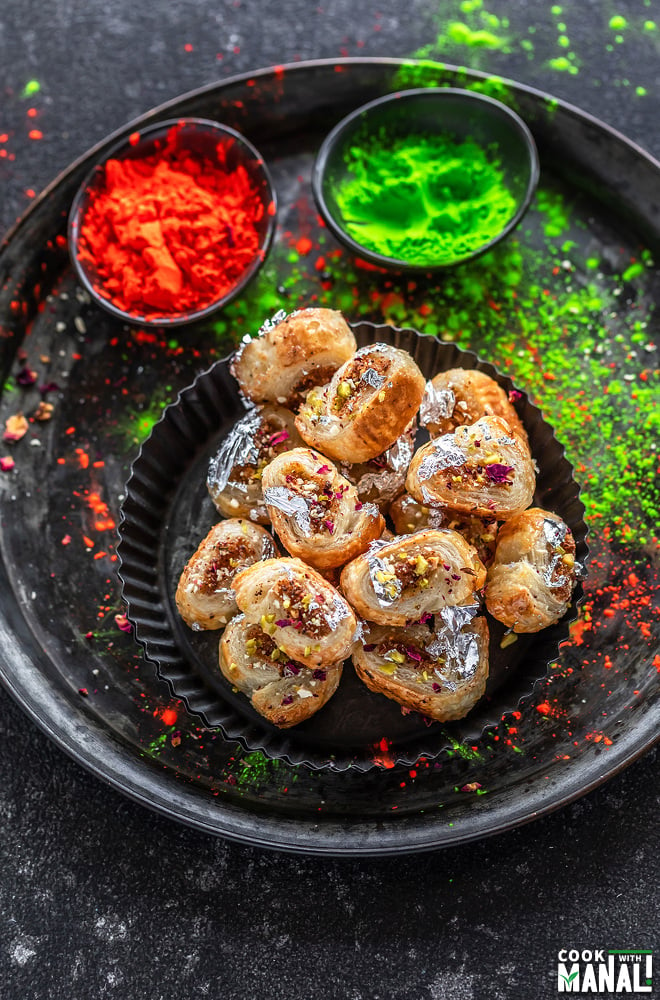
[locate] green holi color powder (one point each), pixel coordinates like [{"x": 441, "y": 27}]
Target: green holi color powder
[
  {"x": 423, "y": 199},
  {"x": 31, "y": 88},
  {"x": 255, "y": 769},
  {"x": 563, "y": 65},
  {"x": 650, "y": 26},
  {"x": 640, "y": 91},
  {"x": 618, "y": 23}
]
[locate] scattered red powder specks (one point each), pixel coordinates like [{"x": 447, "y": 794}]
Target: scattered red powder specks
[
  {"x": 66, "y": 540},
  {"x": 596, "y": 737},
  {"x": 104, "y": 521},
  {"x": 169, "y": 717},
  {"x": 383, "y": 756},
  {"x": 544, "y": 708},
  {"x": 304, "y": 245},
  {"x": 35, "y": 133}
]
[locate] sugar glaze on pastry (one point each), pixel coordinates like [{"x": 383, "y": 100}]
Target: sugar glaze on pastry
[
  {"x": 531, "y": 581},
  {"x": 204, "y": 595},
  {"x": 283, "y": 691},
  {"x": 315, "y": 511}
]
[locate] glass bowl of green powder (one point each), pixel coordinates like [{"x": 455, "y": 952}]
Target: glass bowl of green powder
[{"x": 425, "y": 179}]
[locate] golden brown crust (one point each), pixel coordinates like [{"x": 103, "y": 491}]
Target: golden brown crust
[
  {"x": 402, "y": 580},
  {"x": 408, "y": 516},
  {"x": 234, "y": 476},
  {"x": 480, "y": 469},
  {"x": 462, "y": 396},
  {"x": 292, "y": 355},
  {"x": 441, "y": 673},
  {"x": 283, "y": 691},
  {"x": 204, "y": 595},
  {"x": 315, "y": 511},
  {"x": 303, "y": 613},
  {"x": 533, "y": 575},
  {"x": 366, "y": 407}
]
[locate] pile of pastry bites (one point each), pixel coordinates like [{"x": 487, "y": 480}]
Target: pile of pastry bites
[{"x": 304, "y": 571}]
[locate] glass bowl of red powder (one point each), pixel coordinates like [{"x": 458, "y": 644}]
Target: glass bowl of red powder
[{"x": 173, "y": 223}]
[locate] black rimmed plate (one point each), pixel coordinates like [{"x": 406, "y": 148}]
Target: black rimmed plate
[
  {"x": 82, "y": 678},
  {"x": 167, "y": 511}
]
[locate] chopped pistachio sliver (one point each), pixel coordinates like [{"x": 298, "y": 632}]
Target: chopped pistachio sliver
[
  {"x": 421, "y": 565},
  {"x": 508, "y": 640}
]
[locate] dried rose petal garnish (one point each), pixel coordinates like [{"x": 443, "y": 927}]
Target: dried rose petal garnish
[
  {"x": 498, "y": 473},
  {"x": 16, "y": 427}
]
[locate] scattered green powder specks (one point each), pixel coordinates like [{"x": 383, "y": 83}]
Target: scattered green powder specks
[
  {"x": 254, "y": 770},
  {"x": 31, "y": 88}
]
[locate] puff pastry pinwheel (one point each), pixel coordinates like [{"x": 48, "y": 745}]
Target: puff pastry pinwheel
[
  {"x": 367, "y": 405},
  {"x": 481, "y": 469},
  {"x": 383, "y": 478},
  {"x": 234, "y": 475},
  {"x": 408, "y": 516},
  {"x": 399, "y": 581},
  {"x": 315, "y": 511},
  {"x": 292, "y": 354},
  {"x": 283, "y": 691},
  {"x": 204, "y": 595},
  {"x": 304, "y": 614},
  {"x": 440, "y": 672},
  {"x": 461, "y": 396},
  {"x": 532, "y": 578}
]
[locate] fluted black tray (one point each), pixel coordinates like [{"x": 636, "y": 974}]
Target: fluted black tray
[{"x": 167, "y": 511}]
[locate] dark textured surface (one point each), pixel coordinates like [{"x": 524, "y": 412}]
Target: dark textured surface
[{"x": 100, "y": 898}]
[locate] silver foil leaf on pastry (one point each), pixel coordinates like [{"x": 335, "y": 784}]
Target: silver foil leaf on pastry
[
  {"x": 272, "y": 322},
  {"x": 337, "y": 612},
  {"x": 436, "y": 405},
  {"x": 371, "y": 377},
  {"x": 386, "y": 584},
  {"x": 445, "y": 455},
  {"x": 458, "y": 649},
  {"x": 238, "y": 448},
  {"x": 291, "y": 504},
  {"x": 389, "y": 480},
  {"x": 554, "y": 533},
  {"x": 399, "y": 456}
]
